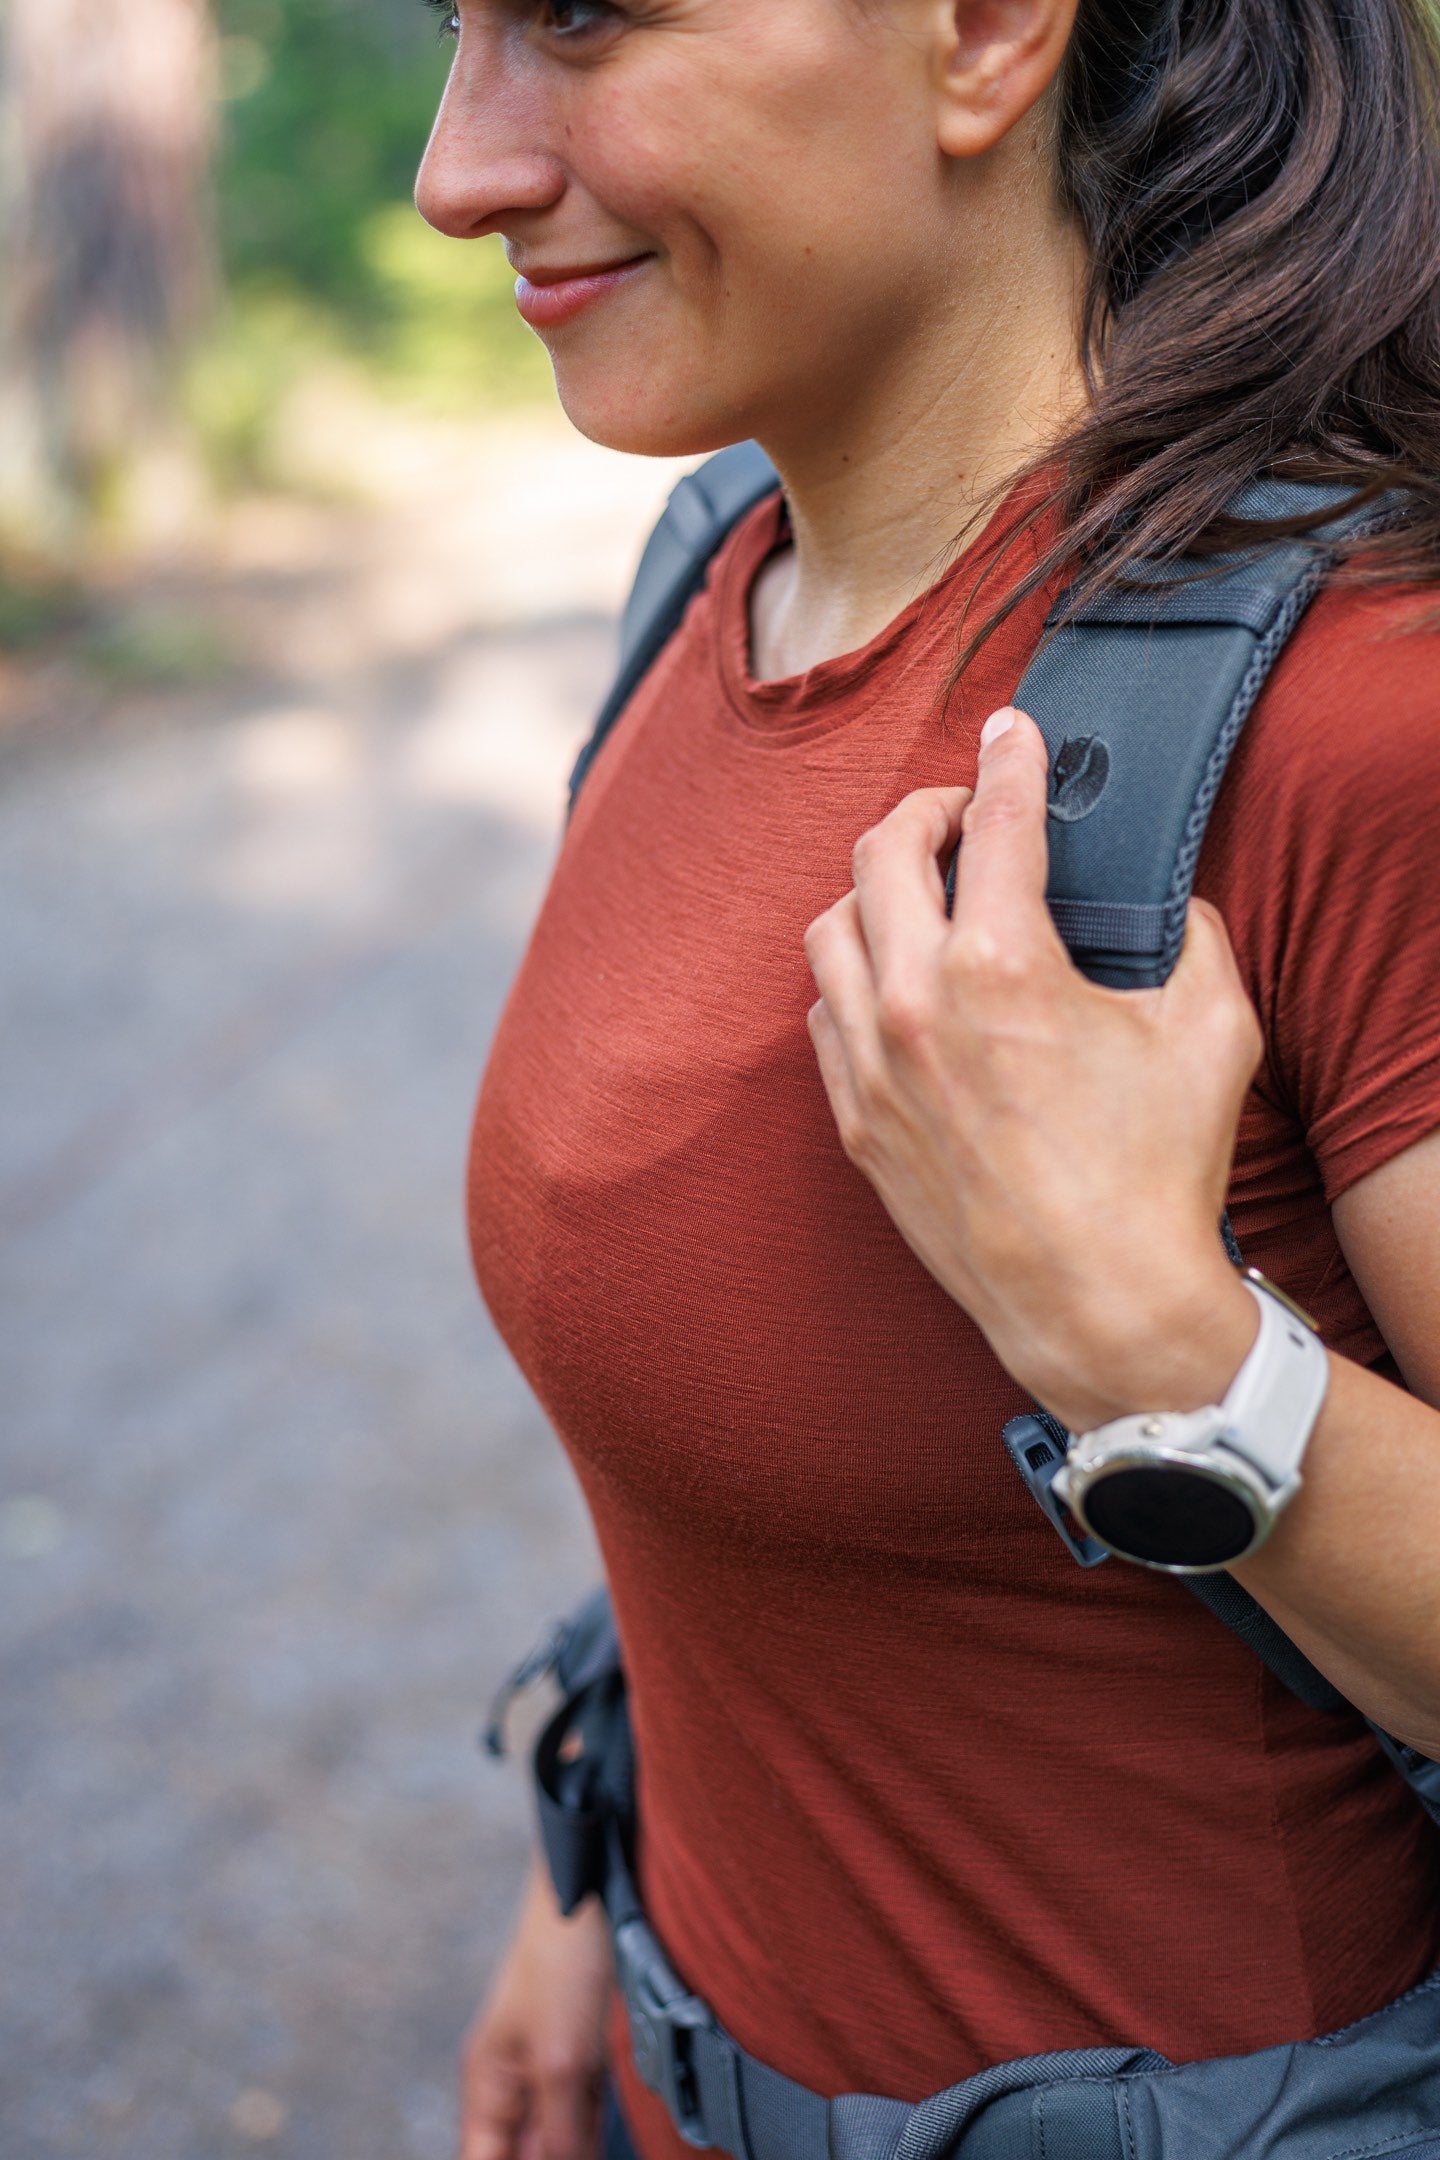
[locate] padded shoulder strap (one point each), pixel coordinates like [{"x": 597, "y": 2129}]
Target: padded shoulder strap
[
  {"x": 705, "y": 507},
  {"x": 1141, "y": 697}
]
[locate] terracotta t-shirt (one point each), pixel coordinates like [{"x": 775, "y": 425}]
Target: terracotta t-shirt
[{"x": 918, "y": 1794}]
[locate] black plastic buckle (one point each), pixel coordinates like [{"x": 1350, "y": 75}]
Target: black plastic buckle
[
  {"x": 662, "y": 2015},
  {"x": 540, "y": 1661},
  {"x": 1037, "y": 1446}
]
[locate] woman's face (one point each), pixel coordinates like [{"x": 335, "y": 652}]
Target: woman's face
[{"x": 758, "y": 189}]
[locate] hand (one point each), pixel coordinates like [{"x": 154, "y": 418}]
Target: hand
[
  {"x": 534, "y": 2062},
  {"x": 1055, "y": 1153}
]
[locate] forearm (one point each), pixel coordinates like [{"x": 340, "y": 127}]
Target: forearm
[{"x": 1352, "y": 1570}]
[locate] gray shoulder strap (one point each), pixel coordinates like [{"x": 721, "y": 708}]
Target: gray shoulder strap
[
  {"x": 705, "y": 507},
  {"x": 1141, "y": 697}
]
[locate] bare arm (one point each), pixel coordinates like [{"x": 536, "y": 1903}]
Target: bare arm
[{"x": 1353, "y": 1572}]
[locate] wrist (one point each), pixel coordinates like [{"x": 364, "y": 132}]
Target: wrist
[{"x": 1165, "y": 1345}]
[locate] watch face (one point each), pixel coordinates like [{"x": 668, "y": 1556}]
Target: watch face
[{"x": 1168, "y": 1516}]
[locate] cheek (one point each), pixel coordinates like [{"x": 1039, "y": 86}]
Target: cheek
[
  {"x": 804, "y": 154},
  {"x": 796, "y": 218}
]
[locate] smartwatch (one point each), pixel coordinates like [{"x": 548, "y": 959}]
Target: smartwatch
[{"x": 1193, "y": 1491}]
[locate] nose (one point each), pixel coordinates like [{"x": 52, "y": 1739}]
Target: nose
[{"x": 485, "y": 162}]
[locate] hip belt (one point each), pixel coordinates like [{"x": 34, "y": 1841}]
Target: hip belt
[{"x": 1368, "y": 2092}]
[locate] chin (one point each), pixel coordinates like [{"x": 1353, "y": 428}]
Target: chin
[{"x": 641, "y": 420}]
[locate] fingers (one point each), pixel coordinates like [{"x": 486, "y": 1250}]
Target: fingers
[
  {"x": 496, "y": 2108},
  {"x": 842, "y": 1021},
  {"x": 1004, "y": 853},
  {"x": 836, "y": 1075},
  {"x": 567, "y": 2114},
  {"x": 840, "y": 962},
  {"x": 881, "y": 928},
  {"x": 514, "y": 2113},
  {"x": 898, "y": 876},
  {"x": 874, "y": 954}
]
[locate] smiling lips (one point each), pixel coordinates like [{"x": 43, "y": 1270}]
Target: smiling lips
[{"x": 547, "y": 298}]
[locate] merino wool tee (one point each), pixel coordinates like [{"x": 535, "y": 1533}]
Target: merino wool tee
[{"x": 917, "y": 1793}]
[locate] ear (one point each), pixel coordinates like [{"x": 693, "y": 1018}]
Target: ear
[{"x": 994, "y": 60}]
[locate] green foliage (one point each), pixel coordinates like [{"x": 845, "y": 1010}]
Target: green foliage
[
  {"x": 328, "y": 103},
  {"x": 33, "y": 608},
  {"x": 140, "y": 644},
  {"x": 327, "y": 107},
  {"x": 155, "y": 648},
  {"x": 269, "y": 339},
  {"x": 452, "y": 333}
]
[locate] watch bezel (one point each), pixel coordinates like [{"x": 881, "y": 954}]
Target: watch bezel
[{"x": 1233, "y": 1475}]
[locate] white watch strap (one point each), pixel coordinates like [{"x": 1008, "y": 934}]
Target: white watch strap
[{"x": 1272, "y": 1403}]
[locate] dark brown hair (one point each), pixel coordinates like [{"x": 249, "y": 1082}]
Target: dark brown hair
[{"x": 1258, "y": 184}]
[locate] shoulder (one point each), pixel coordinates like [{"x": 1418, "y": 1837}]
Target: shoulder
[
  {"x": 1354, "y": 702},
  {"x": 1325, "y": 830},
  {"x": 1321, "y": 857},
  {"x": 1339, "y": 765}
]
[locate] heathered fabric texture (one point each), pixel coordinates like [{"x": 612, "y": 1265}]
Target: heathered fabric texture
[{"x": 918, "y": 1794}]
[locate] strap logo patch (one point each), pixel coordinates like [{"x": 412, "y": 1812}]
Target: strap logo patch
[{"x": 1078, "y": 777}]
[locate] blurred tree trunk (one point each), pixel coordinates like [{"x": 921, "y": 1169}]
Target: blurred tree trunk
[{"x": 106, "y": 124}]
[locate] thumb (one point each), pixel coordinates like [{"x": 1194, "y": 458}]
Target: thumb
[
  {"x": 1004, "y": 859},
  {"x": 1207, "y": 957},
  {"x": 1207, "y": 992}
]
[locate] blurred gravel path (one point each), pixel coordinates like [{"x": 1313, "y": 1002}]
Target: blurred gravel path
[{"x": 275, "y": 1508}]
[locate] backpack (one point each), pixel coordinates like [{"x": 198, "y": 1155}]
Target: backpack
[{"x": 1141, "y": 696}]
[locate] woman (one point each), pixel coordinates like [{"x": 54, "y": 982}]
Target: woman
[{"x": 918, "y": 1796}]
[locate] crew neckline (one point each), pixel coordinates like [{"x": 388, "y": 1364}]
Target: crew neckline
[{"x": 785, "y": 708}]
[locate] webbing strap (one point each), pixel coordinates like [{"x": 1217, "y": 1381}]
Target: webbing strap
[
  {"x": 720, "y": 2097},
  {"x": 1244, "y": 1617},
  {"x": 1109, "y": 926},
  {"x": 754, "y": 2113},
  {"x": 939, "y": 2122}
]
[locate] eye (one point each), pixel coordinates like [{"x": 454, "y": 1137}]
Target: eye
[
  {"x": 560, "y": 19},
  {"x": 573, "y": 18}
]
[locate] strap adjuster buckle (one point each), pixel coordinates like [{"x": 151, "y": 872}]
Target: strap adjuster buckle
[
  {"x": 663, "y": 2015},
  {"x": 534, "y": 1666},
  {"x": 1036, "y": 1445}
]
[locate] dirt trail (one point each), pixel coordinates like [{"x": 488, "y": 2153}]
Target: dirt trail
[{"x": 274, "y": 1507}]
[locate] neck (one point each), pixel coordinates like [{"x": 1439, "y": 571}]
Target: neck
[{"x": 883, "y": 490}]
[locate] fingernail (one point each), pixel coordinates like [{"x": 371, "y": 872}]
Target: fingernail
[{"x": 998, "y": 724}]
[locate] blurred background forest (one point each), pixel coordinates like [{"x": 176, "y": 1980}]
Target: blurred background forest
[
  {"x": 307, "y": 594},
  {"x": 207, "y": 216},
  {"x": 323, "y": 252}
]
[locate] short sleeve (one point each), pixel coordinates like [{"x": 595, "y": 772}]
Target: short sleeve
[{"x": 1324, "y": 858}]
